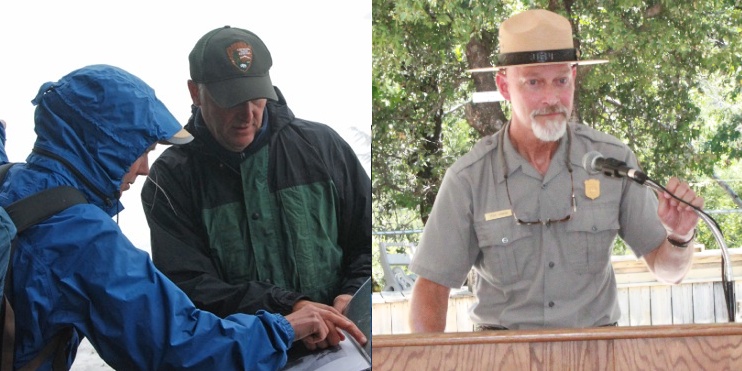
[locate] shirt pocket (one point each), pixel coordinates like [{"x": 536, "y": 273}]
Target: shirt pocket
[
  {"x": 591, "y": 234},
  {"x": 506, "y": 249}
]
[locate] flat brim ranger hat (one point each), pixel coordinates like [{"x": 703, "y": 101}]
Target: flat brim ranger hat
[{"x": 536, "y": 37}]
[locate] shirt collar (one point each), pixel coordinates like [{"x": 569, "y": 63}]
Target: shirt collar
[{"x": 510, "y": 160}]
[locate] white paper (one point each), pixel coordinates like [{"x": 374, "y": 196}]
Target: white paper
[{"x": 346, "y": 356}]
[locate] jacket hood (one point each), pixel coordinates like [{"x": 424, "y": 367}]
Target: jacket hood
[{"x": 97, "y": 121}]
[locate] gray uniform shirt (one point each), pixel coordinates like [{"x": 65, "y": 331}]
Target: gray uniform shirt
[{"x": 532, "y": 276}]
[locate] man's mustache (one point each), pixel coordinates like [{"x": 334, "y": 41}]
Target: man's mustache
[{"x": 550, "y": 110}]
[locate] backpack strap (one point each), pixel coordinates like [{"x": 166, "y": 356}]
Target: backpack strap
[
  {"x": 58, "y": 342},
  {"x": 27, "y": 212},
  {"x": 4, "y": 170},
  {"x": 36, "y": 208}
]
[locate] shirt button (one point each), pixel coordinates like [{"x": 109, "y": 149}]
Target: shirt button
[
  {"x": 551, "y": 264},
  {"x": 595, "y": 229},
  {"x": 255, "y": 216},
  {"x": 551, "y": 304},
  {"x": 505, "y": 240}
]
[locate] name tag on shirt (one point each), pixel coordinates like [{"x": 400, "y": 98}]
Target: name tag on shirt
[{"x": 498, "y": 214}]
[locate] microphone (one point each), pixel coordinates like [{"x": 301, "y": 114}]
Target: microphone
[{"x": 594, "y": 163}]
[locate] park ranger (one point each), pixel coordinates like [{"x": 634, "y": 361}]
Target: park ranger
[{"x": 522, "y": 210}]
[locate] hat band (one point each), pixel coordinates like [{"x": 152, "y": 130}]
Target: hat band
[{"x": 544, "y": 56}]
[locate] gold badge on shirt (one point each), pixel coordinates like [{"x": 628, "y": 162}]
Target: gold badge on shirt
[
  {"x": 498, "y": 214},
  {"x": 592, "y": 188}
]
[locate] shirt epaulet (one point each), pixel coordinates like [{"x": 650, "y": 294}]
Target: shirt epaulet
[
  {"x": 593, "y": 135},
  {"x": 482, "y": 148}
]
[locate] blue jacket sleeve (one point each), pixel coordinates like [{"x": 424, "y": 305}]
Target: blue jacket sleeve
[{"x": 132, "y": 314}]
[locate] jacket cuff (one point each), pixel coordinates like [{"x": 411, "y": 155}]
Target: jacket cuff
[{"x": 278, "y": 326}]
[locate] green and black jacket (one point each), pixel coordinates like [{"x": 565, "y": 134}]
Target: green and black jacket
[{"x": 286, "y": 219}]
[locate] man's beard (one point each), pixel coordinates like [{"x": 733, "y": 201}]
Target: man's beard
[{"x": 550, "y": 130}]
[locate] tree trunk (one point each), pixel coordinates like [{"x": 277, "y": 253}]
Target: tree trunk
[{"x": 485, "y": 118}]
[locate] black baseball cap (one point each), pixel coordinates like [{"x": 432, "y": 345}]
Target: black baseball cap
[{"x": 233, "y": 64}]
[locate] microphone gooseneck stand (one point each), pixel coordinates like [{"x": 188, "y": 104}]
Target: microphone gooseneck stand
[
  {"x": 726, "y": 263},
  {"x": 594, "y": 163}
]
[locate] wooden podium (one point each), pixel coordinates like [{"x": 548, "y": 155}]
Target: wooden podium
[{"x": 673, "y": 347}]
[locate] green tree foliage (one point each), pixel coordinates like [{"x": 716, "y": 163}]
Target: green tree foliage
[
  {"x": 413, "y": 86},
  {"x": 666, "y": 60}
]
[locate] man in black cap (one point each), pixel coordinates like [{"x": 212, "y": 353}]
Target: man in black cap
[{"x": 262, "y": 210}]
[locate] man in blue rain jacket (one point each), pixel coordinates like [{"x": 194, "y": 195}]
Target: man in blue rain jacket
[{"x": 78, "y": 271}]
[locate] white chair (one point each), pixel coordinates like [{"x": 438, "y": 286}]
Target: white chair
[{"x": 395, "y": 263}]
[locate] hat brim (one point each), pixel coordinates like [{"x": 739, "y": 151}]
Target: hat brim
[
  {"x": 181, "y": 137},
  {"x": 231, "y": 92},
  {"x": 574, "y": 63}
]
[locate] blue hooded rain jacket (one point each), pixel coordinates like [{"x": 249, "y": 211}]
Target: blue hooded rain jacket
[{"x": 77, "y": 269}]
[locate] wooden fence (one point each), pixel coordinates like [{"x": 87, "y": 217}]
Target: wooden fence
[{"x": 643, "y": 300}]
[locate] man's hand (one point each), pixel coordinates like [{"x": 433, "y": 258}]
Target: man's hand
[
  {"x": 678, "y": 218},
  {"x": 669, "y": 263},
  {"x": 341, "y": 302},
  {"x": 319, "y": 325}
]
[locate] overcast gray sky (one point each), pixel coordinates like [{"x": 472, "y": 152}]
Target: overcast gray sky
[{"x": 321, "y": 59}]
